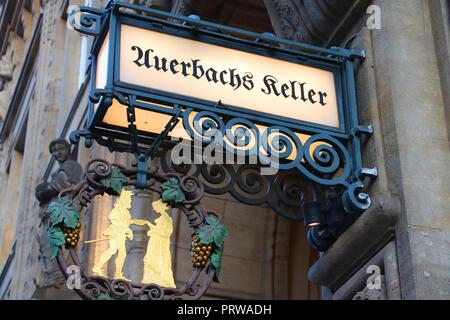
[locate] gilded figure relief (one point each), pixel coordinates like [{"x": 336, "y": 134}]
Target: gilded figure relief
[
  {"x": 117, "y": 234},
  {"x": 157, "y": 261}
]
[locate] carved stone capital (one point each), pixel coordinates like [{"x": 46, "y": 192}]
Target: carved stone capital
[{"x": 308, "y": 21}]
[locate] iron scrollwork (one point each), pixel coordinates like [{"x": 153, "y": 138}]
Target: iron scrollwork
[
  {"x": 320, "y": 158},
  {"x": 85, "y": 20},
  {"x": 283, "y": 192},
  {"x": 94, "y": 287}
]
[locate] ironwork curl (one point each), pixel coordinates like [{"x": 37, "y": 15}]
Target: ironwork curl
[
  {"x": 205, "y": 126},
  {"x": 283, "y": 192},
  {"x": 323, "y": 161},
  {"x": 242, "y": 137},
  {"x": 193, "y": 188},
  {"x": 282, "y": 143},
  {"x": 86, "y": 20},
  {"x": 92, "y": 290},
  {"x": 152, "y": 291}
]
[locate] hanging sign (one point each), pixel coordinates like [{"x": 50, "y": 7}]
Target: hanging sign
[{"x": 195, "y": 69}]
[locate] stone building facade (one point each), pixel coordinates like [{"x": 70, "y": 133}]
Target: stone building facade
[{"x": 403, "y": 90}]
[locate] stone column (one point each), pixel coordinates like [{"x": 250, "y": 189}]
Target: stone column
[
  {"x": 401, "y": 93},
  {"x": 415, "y": 143},
  {"x": 136, "y": 249}
]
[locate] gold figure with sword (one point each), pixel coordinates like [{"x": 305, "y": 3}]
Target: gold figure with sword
[{"x": 117, "y": 234}]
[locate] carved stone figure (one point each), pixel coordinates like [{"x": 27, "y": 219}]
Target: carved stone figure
[{"x": 68, "y": 173}]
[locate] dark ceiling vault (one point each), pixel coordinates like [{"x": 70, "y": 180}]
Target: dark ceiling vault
[
  {"x": 319, "y": 22},
  {"x": 246, "y": 14}
]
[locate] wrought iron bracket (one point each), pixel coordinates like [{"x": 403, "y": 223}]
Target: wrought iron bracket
[
  {"x": 87, "y": 134},
  {"x": 367, "y": 172},
  {"x": 141, "y": 173},
  {"x": 131, "y": 117},
  {"x": 167, "y": 129},
  {"x": 359, "y": 54},
  {"x": 86, "y": 20},
  {"x": 359, "y": 130},
  {"x": 142, "y": 158}
]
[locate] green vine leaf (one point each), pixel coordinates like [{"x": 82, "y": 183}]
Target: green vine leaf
[
  {"x": 62, "y": 211},
  {"x": 213, "y": 231},
  {"x": 104, "y": 296},
  {"x": 115, "y": 181},
  {"x": 107, "y": 296},
  {"x": 56, "y": 240},
  {"x": 172, "y": 191},
  {"x": 216, "y": 260}
]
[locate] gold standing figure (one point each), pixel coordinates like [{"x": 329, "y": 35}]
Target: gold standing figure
[
  {"x": 157, "y": 261},
  {"x": 117, "y": 234}
]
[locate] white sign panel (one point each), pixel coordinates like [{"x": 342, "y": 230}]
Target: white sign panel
[{"x": 204, "y": 71}]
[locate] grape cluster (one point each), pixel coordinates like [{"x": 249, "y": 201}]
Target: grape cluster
[
  {"x": 200, "y": 252},
  {"x": 72, "y": 236}
]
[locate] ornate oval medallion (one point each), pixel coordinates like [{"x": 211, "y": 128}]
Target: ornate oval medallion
[{"x": 157, "y": 283}]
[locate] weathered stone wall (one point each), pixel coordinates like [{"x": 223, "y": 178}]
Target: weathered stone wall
[
  {"x": 413, "y": 89},
  {"x": 12, "y": 177}
]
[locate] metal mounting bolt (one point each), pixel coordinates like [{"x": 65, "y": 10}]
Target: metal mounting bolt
[
  {"x": 368, "y": 172},
  {"x": 368, "y": 130}
]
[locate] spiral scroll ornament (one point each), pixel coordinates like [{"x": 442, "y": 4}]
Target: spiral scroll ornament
[{"x": 85, "y": 20}]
